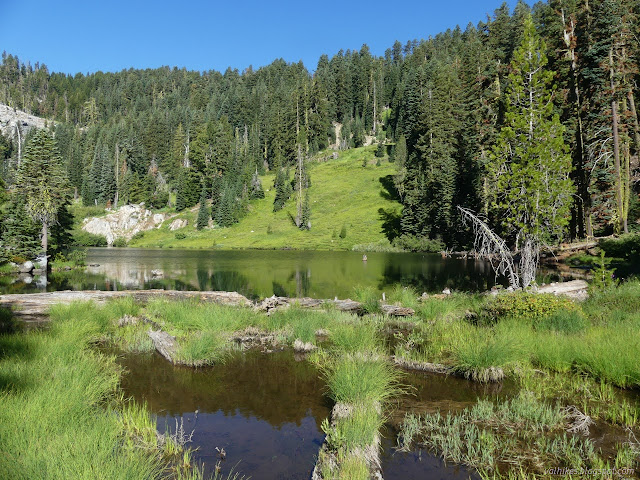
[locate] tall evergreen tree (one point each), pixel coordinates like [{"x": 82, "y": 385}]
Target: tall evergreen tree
[
  {"x": 203, "y": 212},
  {"x": 529, "y": 167},
  {"x": 43, "y": 182}
]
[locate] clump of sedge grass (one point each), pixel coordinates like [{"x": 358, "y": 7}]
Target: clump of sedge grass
[
  {"x": 355, "y": 379},
  {"x": 370, "y": 299}
]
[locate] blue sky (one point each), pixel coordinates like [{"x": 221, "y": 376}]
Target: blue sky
[{"x": 111, "y": 35}]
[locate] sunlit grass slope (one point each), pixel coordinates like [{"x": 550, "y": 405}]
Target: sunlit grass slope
[{"x": 342, "y": 193}]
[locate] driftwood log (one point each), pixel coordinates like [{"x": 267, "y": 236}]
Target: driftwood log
[
  {"x": 164, "y": 343},
  {"x": 348, "y": 305},
  {"x": 34, "y": 307}
]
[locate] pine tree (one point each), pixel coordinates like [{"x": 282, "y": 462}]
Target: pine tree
[
  {"x": 256, "y": 187},
  {"x": 43, "y": 182},
  {"x": 203, "y": 212},
  {"x": 529, "y": 167},
  {"x": 305, "y": 224}
]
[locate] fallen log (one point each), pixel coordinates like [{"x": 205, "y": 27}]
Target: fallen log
[
  {"x": 576, "y": 289},
  {"x": 348, "y": 305},
  {"x": 34, "y": 307},
  {"x": 328, "y": 460},
  {"x": 164, "y": 343}
]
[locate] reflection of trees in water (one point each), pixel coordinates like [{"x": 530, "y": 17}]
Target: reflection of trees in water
[
  {"x": 302, "y": 280},
  {"x": 271, "y": 387},
  {"x": 231, "y": 281},
  {"x": 432, "y": 275},
  {"x": 279, "y": 290}
]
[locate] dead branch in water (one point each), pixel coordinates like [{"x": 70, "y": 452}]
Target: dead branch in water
[{"x": 490, "y": 246}]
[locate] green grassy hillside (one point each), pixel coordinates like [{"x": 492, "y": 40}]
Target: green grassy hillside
[{"x": 342, "y": 193}]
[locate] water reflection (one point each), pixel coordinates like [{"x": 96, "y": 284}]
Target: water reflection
[
  {"x": 262, "y": 273},
  {"x": 264, "y": 410}
]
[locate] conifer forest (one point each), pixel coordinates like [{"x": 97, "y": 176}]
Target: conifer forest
[{"x": 541, "y": 99}]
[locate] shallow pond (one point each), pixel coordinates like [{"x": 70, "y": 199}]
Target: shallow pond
[{"x": 265, "y": 410}]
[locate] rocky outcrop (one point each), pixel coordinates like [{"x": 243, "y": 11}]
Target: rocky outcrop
[
  {"x": 124, "y": 222},
  {"x": 178, "y": 223},
  {"x": 11, "y": 120}
]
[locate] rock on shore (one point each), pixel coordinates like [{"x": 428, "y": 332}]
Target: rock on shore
[{"x": 124, "y": 222}]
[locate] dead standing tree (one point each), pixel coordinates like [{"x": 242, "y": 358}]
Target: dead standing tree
[{"x": 490, "y": 246}]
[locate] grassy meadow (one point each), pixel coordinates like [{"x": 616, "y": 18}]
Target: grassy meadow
[
  {"x": 568, "y": 360},
  {"x": 345, "y": 198}
]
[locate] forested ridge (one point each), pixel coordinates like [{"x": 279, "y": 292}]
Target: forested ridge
[{"x": 440, "y": 108}]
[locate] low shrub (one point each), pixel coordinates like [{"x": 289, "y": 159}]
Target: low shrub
[
  {"x": 418, "y": 244},
  {"x": 138, "y": 236},
  {"x": 86, "y": 239},
  {"x": 78, "y": 257},
  {"x": 524, "y": 305},
  {"x": 120, "y": 242},
  {"x": 180, "y": 235},
  {"x": 626, "y": 246}
]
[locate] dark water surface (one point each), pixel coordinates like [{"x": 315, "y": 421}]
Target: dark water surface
[
  {"x": 265, "y": 410},
  {"x": 262, "y": 273}
]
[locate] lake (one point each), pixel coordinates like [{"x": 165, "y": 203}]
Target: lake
[{"x": 262, "y": 273}]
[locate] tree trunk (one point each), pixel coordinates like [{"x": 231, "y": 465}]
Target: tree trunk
[
  {"x": 45, "y": 242},
  {"x": 616, "y": 147},
  {"x": 583, "y": 204}
]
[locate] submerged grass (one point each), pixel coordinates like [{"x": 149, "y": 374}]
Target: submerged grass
[{"x": 503, "y": 440}]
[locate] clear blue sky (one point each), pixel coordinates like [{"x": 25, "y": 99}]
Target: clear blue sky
[{"x": 111, "y": 35}]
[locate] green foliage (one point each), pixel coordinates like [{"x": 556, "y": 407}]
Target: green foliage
[
  {"x": 418, "y": 244},
  {"x": 86, "y": 239},
  {"x": 343, "y": 231},
  {"x": 42, "y": 181},
  {"x": 282, "y": 187},
  {"x": 380, "y": 150},
  {"x": 625, "y": 246},
  {"x": 120, "y": 242},
  {"x": 603, "y": 277},
  {"x": 529, "y": 167},
  {"x": 528, "y": 307},
  {"x": 203, "y": 212}
]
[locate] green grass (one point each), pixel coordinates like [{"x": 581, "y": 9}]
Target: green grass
[
  {"x": 598, "y": 338},
  {"x": 342, "y": 192},
  {"x": 508, "y": 439},
  {"x": 61, "y": 398},
  {"x": 356, "y": 379}
]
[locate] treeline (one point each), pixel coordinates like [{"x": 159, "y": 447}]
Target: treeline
[{"x": 137, "y": 135}]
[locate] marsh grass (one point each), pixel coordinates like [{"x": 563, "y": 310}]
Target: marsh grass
[
  {"x": 404, "y": 296},
  {"x": 205, "y": 348},
  {"x": 480, "y": 357},
  {"x": 356, "y": 379},
  {"x": 352, "y": 337},
  {"x": 64, "y": 387},
  {"x": 353, "y": 467},
  {"x": 369, "y": 297},
  {"x": 494, "y": 437}
]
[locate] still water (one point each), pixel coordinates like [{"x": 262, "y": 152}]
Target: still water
[
  {"x": 262, "y": 273},
  {"x": 266, "y": 410}
]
